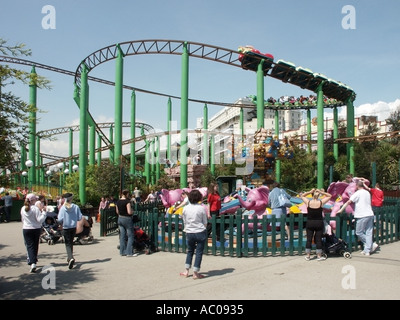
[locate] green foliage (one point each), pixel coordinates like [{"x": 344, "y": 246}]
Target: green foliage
[
  {"x": 15, "y": 114},
  {"x": 165, "y": 182},
  {"x": 100, "y": 181}
]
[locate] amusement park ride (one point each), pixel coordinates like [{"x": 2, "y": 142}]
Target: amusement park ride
[{"x": 266, "y": 148}]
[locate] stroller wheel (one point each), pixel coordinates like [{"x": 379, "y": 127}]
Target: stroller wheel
[{"x": 347, "y": 255}]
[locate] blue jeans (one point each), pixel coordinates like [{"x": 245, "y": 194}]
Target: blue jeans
[
  {"x": 364, "y": 231},
  {"x": 126, "y": 235},
  {"x": 195, "y": 242}
]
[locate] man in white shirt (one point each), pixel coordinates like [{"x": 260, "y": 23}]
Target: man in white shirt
[{"x": 364, "y": 217}]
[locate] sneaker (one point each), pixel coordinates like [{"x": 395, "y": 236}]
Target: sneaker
[
  {"x": 375, "y": 246},
  {"x": 321, "y": 258},
  {"x": 71, "y": 263},
  {"x": 307, "y": 258},
  {"x": 132, "y": 255},
  {"x": 365, "y": 253},
  {"x": 33, "y": 267}
]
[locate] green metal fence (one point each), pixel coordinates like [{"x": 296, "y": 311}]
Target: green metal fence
[{"x": 240, "y": 239}]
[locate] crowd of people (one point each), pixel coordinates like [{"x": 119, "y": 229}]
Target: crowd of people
[{"x": 196, "y": 216}]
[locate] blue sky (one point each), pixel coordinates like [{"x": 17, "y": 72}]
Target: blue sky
[{"x": 308, "y": 33}]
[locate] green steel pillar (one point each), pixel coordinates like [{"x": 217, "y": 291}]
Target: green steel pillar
[
  {"x": 133, "y": 135},
  {"x": 184, "y": 116},
  {"x": 22, "y": 164},
  {"x": 147, "y": 162},
  {"x": 206, "y": 157},
  {"x": 350, "y": 134},
  {"x": 260, "y": 95},
  {"x": 83, "y": 133},
  {"x": 335, "y": 134},
  {"x": 157, "y": 159},
  {"x": 169, "y": 119},
  {"x": 241, "y": 124},
  {"x": 212, "y": 158},
  {"x": 112, "y": 142},
  {"x": 32, "y": 125},
  {"x": 277, "y": 162},
  {"x": 119, "y": 81},
  {"x": 309, "y": 130},
  {"x": 92, "y": 145},
  {"x": 99, "y": 136},
  {"x": 37, "y": 160},
  {"x": 320, "y": 136},
  {"x": 71, "y": 143},
  {"x": 373, "y": 175},
  {"x": 153, "y": 162}
]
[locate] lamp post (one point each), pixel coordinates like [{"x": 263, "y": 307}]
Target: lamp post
[
  {"x": 75, "y": 167},
  {"x": 60, "y": 167},
  {"x": 24, "y": 174},
  {"x": 29, "y": 164},
  {"x": 48, "y": 174}
]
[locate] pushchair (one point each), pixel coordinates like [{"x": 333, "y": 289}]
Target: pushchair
[
  {"x": 51, "y": 229},
  {"x": 333, "y": 245},
  {"x": 143, "y": 241}
]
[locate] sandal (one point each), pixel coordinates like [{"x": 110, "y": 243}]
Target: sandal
[
  {"x": 199, "y": 276},
  {"x": 184, "y": 274}
]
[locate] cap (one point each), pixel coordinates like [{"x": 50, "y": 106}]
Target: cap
[
  {"x": 67, "y": 195},
  {"x": 32, "y": 196}
]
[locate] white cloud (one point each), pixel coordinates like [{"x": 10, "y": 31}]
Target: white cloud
[{"x": 381, "y": 109}]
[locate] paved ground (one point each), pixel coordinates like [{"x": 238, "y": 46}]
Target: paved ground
[{"x": 101, "y": 274}]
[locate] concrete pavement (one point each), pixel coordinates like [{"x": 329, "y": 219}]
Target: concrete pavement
[{"x": 101, "y": 274}]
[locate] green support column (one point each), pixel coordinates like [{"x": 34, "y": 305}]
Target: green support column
[
  {"x": 71, "y": 143},
  {"x": 335, "y": 134},
  {"x": 22, "y": 164},
  {"x": 373, "y": 175},
  {"x": 147, "y": 162},
  {"x": 37, "y": 161},
  {"x": 92, "y": 145},
  {"x": 99, "y": 136},
  {"x": 119, "y": 81},
  {"x": 320, "y": 136},
  {"x": 83, "y": 134},
  {"x": 184, "y": 116},
  {"x": 350, "y": 134},
  {"x": 260, "y": 95},
  {"x": 309, "y": 130},
  {"x": 133, "y": 135},
  {"x": 206, "y": 156},
  {"x": 169, "y": 119},
  {"x": 111, "y": 156},
  {"x": 153, "y": 162},
  {"x": 212, "y": 158},
  {"x": 32, "y": 125},
  {"x": 241, "y": 124},
  {"x": 277, "y": 162},
  {"x": 157, "y": 159}
]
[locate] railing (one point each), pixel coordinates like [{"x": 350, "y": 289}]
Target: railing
[{"x": 240, "y": 239}]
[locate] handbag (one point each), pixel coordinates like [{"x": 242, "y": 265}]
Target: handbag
[{"x": 283, "y": 201}]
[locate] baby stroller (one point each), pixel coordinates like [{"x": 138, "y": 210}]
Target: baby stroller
[
  {"x": 143, "y": 241},
  {"x": 51, "y": 229},
  {"x": 333, "y": 245}
]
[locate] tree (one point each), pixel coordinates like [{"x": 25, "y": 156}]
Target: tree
[{"x": 14, "y": 113}]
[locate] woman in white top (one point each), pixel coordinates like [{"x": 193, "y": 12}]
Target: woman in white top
[
  {"x": 194, "y": 217},
  {"x": 32, "y": 219}
]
